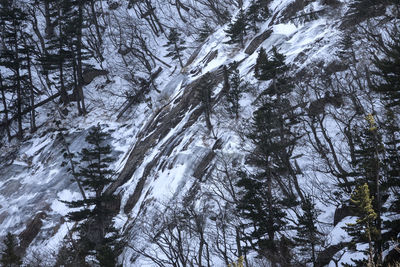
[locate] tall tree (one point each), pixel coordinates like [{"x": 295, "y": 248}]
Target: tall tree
[
  {"x": 205, "y": 91},
  {"x": 93, "y": 212},
  {"x": 175, "y": 46},
  {"x": 236, "y": 89},
  {"x": 257, "y": 12},
  {"x": 237, "y": 30},
  {"x": 263, "y": 209},
  {"x": 364, "y": 226},
  {"x": 12, "y": 19},
  {"x": 388, "y": 72},
  {"x": 9, "y": 258},
  {"x": 307, "y": 234},
  {"x": 268, "y": 190}
]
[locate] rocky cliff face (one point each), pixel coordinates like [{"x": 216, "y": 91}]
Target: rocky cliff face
[{"x": 168, "y": 155}]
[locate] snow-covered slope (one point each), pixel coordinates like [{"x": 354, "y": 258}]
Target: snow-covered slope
[{"x": 165, "y": 151}]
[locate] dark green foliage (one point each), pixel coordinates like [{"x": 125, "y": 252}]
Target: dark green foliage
[
  {"x": 346, "y": 51},
  {"x": 388, "y": 73},
  {"x": 106, "y": 257},
  {"x": 360, "y": 10},
  {"x": 236, "y": 89},
  {"x": 94, "y": 175},
  {"x": 237, "y": 30},
  {"x": 94, "y": 214},
  {"x": 271, "y": 132},
  {"x": 257, "y": 12},
  {"x": 270, "y": 68},
  {"x": 387, "y": 83},
  {"x": 205, "y": 31},
  {"x": 263, "y": 209},
  {"x": 205, "y": 96},
  {"x": 392, "y": 171},
  {"x": 308, "y": 236},
  {"x": 175, "y": 46},
  {"x": 8, "y": 256}
]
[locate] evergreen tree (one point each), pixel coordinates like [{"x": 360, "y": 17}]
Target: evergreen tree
[
  {"x": 265, "y": 211},
  {"x": 273, "y": 122},
  {"x": 388, "y": 85},
  {"x": 364, "y": 227},
  {"x": 307, "y": 236},
  {"x": 392, "y": 174},
  {"x": 257, "y": 12},
  {"x": 175, "y": 46},
  {"x": 95, "y": 175},
  {"x": 272, "y": 134},
  {"x": 205, "y": 31},
  {"x": 58, "y": 59},
  {"x": 360, "y": 10},
  {"x": 237, "y": 30},
  {"x": 388, "y": 70},
  {"x": 236, "y": 89},
  {"x": 205, "y": 96},
  {"x": 368, "y": 170},
  {"x": 12, "y": 19},
  {"x": 9, "y": 258}
]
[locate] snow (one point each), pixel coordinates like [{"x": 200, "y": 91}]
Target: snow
[
  {"x": 44, "y": 183},
  {"x": 284, "y": 29}
]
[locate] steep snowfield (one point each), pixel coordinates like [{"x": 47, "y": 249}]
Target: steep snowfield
[{"x": 33, "y": 182}]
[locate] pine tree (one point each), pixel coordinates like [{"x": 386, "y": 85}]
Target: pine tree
[
  {"x": 360, "y": 10},
  {"x": 205, "y": 31},
  {"x": 12, "y": 20},
  {"x": 237, "y": 30},
  {"x": 236, "y": 89},
  {"x": 9, "y": 258},
  {"x": 308, "y": 236},
  {"x": 364, "y": 227},
  {"x": 58, "y": 59},
  {"x": 392, "y": 174},
  {"x": 265, "y": 211},
  {"x": 257, "y": 12},
  {"x": 272, "y": 133},
  {"x": 95, "y": 175},
  {"x": 205, "y": 96},
  {"x": 388, "y": 70},
  {"x": 368, "y": 170},
  {"x": 175, "y": 46}
]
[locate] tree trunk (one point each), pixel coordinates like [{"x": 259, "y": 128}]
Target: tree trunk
[
  {"x": 19, "y": 89},
  {"x": 5, "y": 109},
  {"x": 79, "y": 56},
  {"x": 32, "y": 94}
]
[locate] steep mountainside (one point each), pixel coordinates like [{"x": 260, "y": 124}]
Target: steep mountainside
[{"x": 220, "y": 157}]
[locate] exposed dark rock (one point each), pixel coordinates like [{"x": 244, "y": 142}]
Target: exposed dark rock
[
  {"x": 10, "y": 187},
  {"x": 257, "y": 41},
  {"x": 31, "y": 231},
  {"x": 3, "y": 216},
  {"x": 162, "y": 123},
  {"x": 194, "y": 55},
  {"x": 203, "y": 167},
  {"x": 341, "y": 213},
  {"x": 393, "y": 257},
  {"x": 210, "y": 57},
  {"x": 325, "y": 256},
  {"x": 89, "y": 75}
]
